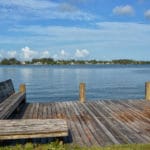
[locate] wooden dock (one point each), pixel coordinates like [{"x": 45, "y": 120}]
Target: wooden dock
[{"x": 103, "y": 122}]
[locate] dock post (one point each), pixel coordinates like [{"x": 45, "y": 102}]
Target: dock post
[
  {"x": 147, "y": 90},
  {"x": 22, "y": 88},
  {"x": 82, "y": 92}
]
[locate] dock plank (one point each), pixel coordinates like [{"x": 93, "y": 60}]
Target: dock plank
[
  {"x": 109, "y": 123},
  {"x": 102, "y": 122},
  {"x": 126, "y": 127},
  {"x": 74, "y": 124},
  {"x": 86, "y": 123}
]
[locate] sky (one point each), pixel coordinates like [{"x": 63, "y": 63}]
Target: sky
[{"x": 75, "y": 29}]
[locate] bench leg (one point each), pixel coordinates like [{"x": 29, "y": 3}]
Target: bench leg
[
  {"x": 59, "y": 139},
  {"x": 1, "y": 142}
]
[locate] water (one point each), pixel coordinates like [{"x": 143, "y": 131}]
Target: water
[{"x": 61, "y": 83}]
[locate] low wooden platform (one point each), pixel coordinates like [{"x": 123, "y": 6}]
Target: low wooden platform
[
  {"x": 97, "y": 122},
  {"x": 32, "y": 128}
]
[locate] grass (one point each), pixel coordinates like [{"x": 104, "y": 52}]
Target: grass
[{"x": 59, "y": 146}]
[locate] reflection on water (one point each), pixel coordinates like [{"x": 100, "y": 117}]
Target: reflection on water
[{"x": 59, "y": 83}]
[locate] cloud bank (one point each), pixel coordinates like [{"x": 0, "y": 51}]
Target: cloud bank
[
  {"x": 41, "y": 9},
  {"x": 107, "y": 38},
  {"x": 147, "y": 14},
  {"x": 27, "y": 54},
  {"x": 81, "y": 53},
  {"x": 123, "y": 10}
]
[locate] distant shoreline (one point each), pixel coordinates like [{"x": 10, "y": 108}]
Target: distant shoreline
[
  {"x": 68, "y": 64},
  {"x": 51, "y": 61}
]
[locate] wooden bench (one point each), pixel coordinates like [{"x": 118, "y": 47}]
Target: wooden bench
[
  {"x": 32, "y": 128},
  {"x": 9, "y": 100},
  {"x": 24, "y": 128}
]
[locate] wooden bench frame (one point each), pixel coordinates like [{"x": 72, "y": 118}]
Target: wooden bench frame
[
  {"x": 9, "y": 99},
  {"x": 24, "y": 128}
]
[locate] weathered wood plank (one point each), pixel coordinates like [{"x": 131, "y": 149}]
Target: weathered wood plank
[
  {"x": 85, "y": 119},
  {"x": 75, "y": 133},
  {"x": 40, "y": 111},
  {"x": 61, "y": 115},
  {"x": 124, "y": 127},
  {"x": 82, "y": 128},
  {"x": 108, "y": 133},
  {"x": 49, "y": 110},
  {"x": 32, "y": 128},
  {"x": 45, "y": 109},
  {"x": 109, "y": 124},
  {"x": 36, "y": 109},
  {"x": 10, "y": 104},
  {"x": 99, "y": 122}
]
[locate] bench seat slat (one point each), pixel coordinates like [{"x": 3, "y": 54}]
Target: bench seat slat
[
  {"x": 32, "y": 128},
  {"x": 10, "y": 104},
  {"x": 9, "y": 99}
]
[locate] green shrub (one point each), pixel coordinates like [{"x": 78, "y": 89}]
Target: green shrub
[{"x": 60, "y": 146}]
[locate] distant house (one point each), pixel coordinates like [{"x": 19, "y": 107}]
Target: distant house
[
  {"x": 37, "y": 63},
  {"x": 23, "y": 63}
]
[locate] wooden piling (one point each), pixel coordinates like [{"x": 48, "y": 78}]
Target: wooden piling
[
  {"x": 147, "y": 90},
  {"x": 22, "y": 88},
  {"x": 82, "y": 92}
]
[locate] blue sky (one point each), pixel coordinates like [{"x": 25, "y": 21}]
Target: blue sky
[{"x": 75, "y": 29}]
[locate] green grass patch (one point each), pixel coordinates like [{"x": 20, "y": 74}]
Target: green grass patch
[{"x": 59, "y": 146}]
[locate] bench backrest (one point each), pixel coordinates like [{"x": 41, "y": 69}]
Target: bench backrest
[{"x": 6, "y": 89}]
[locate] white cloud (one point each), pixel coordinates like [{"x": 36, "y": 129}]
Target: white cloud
[
  {"x": 40, "y": 9},
  {"x": 147, "y": 14},
  {"x": 12, "y": 54},
  {"x": 28, "y": 54},
  {"x": 24, "y": 54},
  {"x": 8, "y": 54},
  {"x": 123, "y": 10},
  {"x": 63, "y": 53},
  {"x": 33, "y": 4},
  {"x": 66, "y": 7},
  {"x": 81, "y": 53},
  {"x": 45, "y": 54},
  {"x": 55, "y": 56}
]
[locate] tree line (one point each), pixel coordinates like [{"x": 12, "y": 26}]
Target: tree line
[{"x": 51, "y": 61}]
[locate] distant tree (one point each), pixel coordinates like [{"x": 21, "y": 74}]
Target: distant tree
[
  {"x": 5, "y": 61},
  {"x": 51, "y": 61},
  {"x": 43, "y": 60},
  {"x": 11, "y": 61},
  {"x": 14, "y": 61},
  {"x": 93, "y": 61},
  {"x": 80, "y": 62},
  {"x": 27, "y": 62},
  {"x": 124, "y": 61}
]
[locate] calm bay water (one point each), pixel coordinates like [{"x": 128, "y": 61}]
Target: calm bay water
[{"x": 61, "y": 83}]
